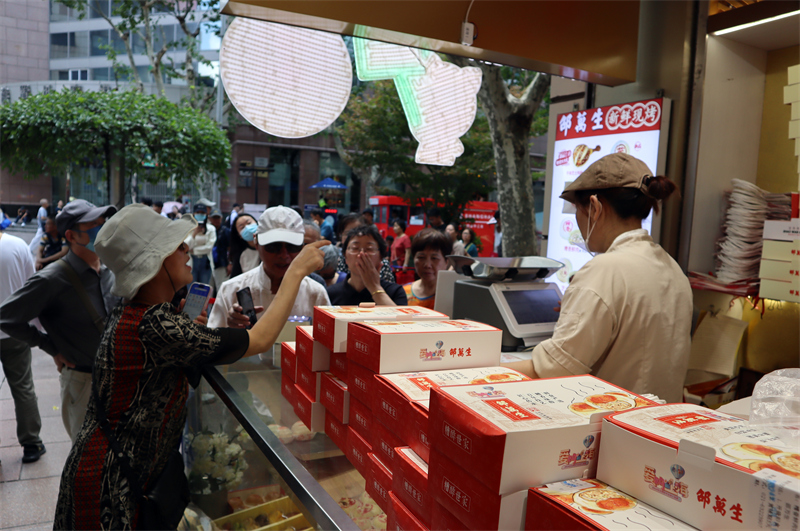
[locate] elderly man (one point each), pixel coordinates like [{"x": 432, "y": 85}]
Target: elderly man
[
  {"x": 71, "y": 298},
  {"x": 279, "y": 239}
]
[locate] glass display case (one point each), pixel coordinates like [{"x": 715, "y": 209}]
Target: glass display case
[{"x": 248, "y": 470}]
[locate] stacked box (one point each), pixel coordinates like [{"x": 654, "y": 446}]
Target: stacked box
[
  {"x": 309, "y": 381},
  {"x": 410, "y": 484},
  {"x": 589, "y": 504},
  {"x": 335, "y": 397},
  {"x": 404, "y": 519},
  {"x": 336, "y": 431},
  {"x": 384, "y": 441},
  {"x": 402, "y": 399},
  {"x": 289, "y": 359},
  {"x": 379, "y": 483},
  {"x": 780, "y": 261},
  {"x": 313, "y": 354},
  {"x": 443, "y": 520},
  {"x": 358, "y": 451},
  {"x": 310, "y": 411},
  {"x": 310, "y": 358},
  {"x": 491, "y": 443},
  {"x": 710, "y": 469},
  {"x": 339, "y": 365},
  {"x": 330, "y": 322}
]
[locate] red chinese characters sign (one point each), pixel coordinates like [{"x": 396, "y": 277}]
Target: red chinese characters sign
[
  {"x": 511, "y": 410},
  {"x": 614, "y": 119}
]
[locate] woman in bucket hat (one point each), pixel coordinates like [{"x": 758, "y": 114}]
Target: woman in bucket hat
[{"x": 140, "y": 375}]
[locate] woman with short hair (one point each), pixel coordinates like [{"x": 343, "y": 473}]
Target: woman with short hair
[
  {"x": 470, "y": 242},
  {"x": 429, "y": 250}
]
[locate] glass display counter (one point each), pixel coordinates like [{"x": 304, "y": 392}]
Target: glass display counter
[{"x": 230, "y": 448}]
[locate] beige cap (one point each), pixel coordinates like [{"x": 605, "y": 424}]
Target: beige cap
[{"x": 617, "y": 170}]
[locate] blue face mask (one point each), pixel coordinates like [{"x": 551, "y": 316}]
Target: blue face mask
[
  {"x": 200, "y": 217},
  {"x": 249, "y": 232},
  {"x": 92, "y": 236}
]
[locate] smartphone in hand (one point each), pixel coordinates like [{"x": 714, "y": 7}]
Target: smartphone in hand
[
  {"x": 245, "y": 298},
  {"x": 196, "y": 300}
]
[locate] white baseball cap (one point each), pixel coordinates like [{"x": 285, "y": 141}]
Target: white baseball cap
[{"x": 280, "y": 224}]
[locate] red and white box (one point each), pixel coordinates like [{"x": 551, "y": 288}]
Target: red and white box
[
  {"x": 310, "y": 412},
  {"x": 287, "y": 388},
  {"x": 336, "y": 431},
  {"x": 358, "y": 451},
  {"x": 339, "y": 365},
  {"x": 314, "y": 354},
  {"x": 289, "y": 360},
  {"x": 405, "y": 519},
  {"x": 470, "y": 501},
  {"x": 361, "y": 383},
  {"x": 591, "y": 505},
  {"x": 710, "y": 469},
  {"x": 443, "y": 520},
  {"x": 410, "y": 484},
  {"x": 384, "y": 441},
  {"x": 379, "y": 484},
  {"x": 309, "y": 381},
  {"x": 334, "y": 396},
  {"x": 498, "y": 425},
  {"x": 330, "y": 322},
  {"x": 401, "y": 400},
  {"x": 403, "y": 346},
  {"x": 360, "y": 418}
]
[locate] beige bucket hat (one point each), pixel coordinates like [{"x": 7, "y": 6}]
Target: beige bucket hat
[
  {"x": 134, "y": 243},
  {"x": 618, "y": 170}
]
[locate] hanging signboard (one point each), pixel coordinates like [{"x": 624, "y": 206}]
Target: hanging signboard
[{"x": 582, "y": 137}]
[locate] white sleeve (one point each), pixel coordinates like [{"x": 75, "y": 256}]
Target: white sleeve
[
  {"x": 219, "y": 313},
  {"x": 583, "y": 333},
  {"x": 211, "y": 239}
]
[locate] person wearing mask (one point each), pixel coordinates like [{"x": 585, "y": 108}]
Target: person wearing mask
[
  {"x": 469, "y": 241},
  {"x": 458, "y": 246},
  {"x": 52, "y": 246},
  {"x": 626, "y": 316},
  {"x": 149, "y": 354},
  {"x": 429, "y": 250},
  {"x": 220, "y": 251},
  {"x": 401, "y": 246},
  {"x": 201, "y": 243},
  {"x": 243, "y": 253},
  {"x": 71, "y": 298},
  {"x": 16, "y": 266},
  {"x": 435, "y": 219},
  {"x": 364, "y": 251},
  {"x": 279, "y": 240}
]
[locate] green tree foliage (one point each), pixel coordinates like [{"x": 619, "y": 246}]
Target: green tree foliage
[
  {"x": 47, "y": 133},
  {"x": 374, "y": 139}
]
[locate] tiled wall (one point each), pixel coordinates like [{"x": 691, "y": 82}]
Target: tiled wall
[{"x": 24, "y": 41}]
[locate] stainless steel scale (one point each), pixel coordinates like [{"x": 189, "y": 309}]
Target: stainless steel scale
[{"x": 508, "y": 293}]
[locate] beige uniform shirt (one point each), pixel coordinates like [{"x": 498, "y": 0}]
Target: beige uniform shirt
[
  {"x": 310, "y": 294},
  {"x": 625, "y": 318}
]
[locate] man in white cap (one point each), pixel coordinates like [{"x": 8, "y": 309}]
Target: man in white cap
[
  {"x": 61, "y": 296},
  {"x": 279, "y": 239}
]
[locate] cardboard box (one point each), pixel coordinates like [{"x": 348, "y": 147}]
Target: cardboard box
[
  {"x": 401, "y": 400},
  {"x": 405, "y": 346},
  {"x": 339, "y": 365},
  {"x": 779, "y": 290},
  {"x": 334, "y": 396},
  {"x": 778, "y": 250},
  {"x": 361, "y": 383},
  {"x": 782, "y": 230},
  {"x": 403, "y": 518},
  {"x": 410, "y": 484},
  {"x": 314, "y": 354},
  {"x": 336, "y": 431},
  {"x": 287, "y": 388},
  {"x": 384, "y": 441},
  {"x": 309, "y": 381},
  {"x": 380, "y": 483},
  {"x": 589, "y": 504},
  {"x": 780, "y": 270},
  {"x": 358, "y": 451},
  {"x": 469, "y": 500},
  {"x": 330, "y": 322},
  {"x": 360, "y": 418},
  {"x": 289, "y": 360},
  {"x": 710, "y": 469},
  {"x": 443, "y": 520},
  {"x": 310, "y": 412},
  {"x": 499, "y": 425}
]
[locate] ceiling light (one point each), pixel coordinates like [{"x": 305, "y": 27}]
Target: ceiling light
[{"x": 756, "y": 23}]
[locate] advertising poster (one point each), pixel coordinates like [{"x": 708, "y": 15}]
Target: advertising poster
[{"x": 582, "y": 137}]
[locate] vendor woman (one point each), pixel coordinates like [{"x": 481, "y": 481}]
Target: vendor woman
[{"x": 626, "y": 315}]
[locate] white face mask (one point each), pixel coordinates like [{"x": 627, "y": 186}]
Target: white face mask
[{"x": 585, "y": 243}]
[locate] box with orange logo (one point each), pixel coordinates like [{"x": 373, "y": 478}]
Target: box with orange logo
[
  {"x": 403, "y": 346},
  {"x": 710, "y": 469},
  {"x": 330, "y": 322}
]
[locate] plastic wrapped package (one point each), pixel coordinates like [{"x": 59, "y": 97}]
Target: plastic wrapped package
[{"x": 776, "y": 404}]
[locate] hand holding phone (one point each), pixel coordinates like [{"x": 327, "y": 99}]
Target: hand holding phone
[
  {"x": 196, "y": 299},
  {"x": 245, "y": 298}
]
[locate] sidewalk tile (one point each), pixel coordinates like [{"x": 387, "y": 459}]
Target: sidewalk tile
[
  {"x": 27, "y": 503},
  {"x": 51, "y": 464},
  {"x": 11, "y": 466}
]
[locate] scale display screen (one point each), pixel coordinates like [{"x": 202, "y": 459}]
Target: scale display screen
[{"x": 533, "y": 306}]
